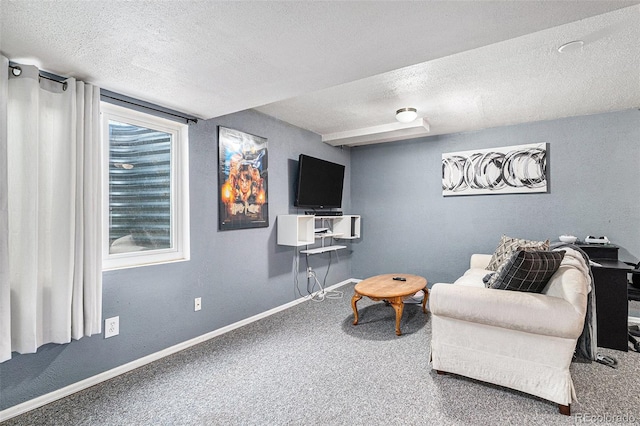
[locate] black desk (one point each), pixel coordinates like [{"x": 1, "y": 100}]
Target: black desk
[
  {"x": 612, "y": 305},
  {"x": 633, "y": 293}
]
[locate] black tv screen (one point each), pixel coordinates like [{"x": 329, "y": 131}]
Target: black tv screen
[{"x": 320, "y": 183}]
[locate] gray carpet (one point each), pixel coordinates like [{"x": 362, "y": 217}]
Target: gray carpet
[{"x": 310, "y": 366}]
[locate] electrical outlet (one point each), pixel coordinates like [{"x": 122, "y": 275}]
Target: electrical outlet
[
  {"x": 197, "y": 304},
  {"x": 111, "y": 327},
  {"x": 309, "y": 272}
]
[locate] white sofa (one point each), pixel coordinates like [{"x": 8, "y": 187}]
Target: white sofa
[{"x": 524, "y": 341}]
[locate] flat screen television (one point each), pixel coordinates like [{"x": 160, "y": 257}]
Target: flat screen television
[{"x": 320, "y": 183}]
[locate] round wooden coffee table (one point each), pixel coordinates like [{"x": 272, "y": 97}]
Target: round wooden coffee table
[{"x": 384, "y": 287}]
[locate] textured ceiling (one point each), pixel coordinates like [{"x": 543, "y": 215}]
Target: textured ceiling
[
  {"x": 337, "y": 66},
  {"x": 519, "y": 80}
]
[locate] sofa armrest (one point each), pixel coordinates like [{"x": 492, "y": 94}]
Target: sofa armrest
[
  {"x": 480, "y": 261},
  {"x": 529, "y": 312}
]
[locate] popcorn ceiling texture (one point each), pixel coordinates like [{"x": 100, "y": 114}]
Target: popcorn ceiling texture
[{"x": 342, "y": 65}]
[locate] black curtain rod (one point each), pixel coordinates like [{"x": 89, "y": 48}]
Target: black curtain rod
[
  {"x": 16, "y": 70},
  {"x": 64, "y": 83},
  {"x": 141, "y": 105}
]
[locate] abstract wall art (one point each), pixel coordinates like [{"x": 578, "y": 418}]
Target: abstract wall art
[{"x": 505, "y": 170}]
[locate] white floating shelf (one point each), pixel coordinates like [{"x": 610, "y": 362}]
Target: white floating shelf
[
  {"x": 322, "y": 249},
  {"x": 328, "y": 234},
  {"x": 302, "y": 230}
]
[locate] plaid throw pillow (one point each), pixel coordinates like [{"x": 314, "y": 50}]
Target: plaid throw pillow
[
  {"x": 487, "y": 278},
  {"x": 508, "y": 245},
  {"x": 526, "y": 271}
]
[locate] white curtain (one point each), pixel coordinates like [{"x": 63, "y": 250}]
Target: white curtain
[
  {"x": 5, "y": 293},
  {"x": 50, "y": 139}
]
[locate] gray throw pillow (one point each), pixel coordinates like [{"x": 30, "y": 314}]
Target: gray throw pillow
[
  {"x": 528, "y": 271},
  {"x": 508, "y": 245}
]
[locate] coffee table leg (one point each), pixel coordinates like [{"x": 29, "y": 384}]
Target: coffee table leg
[
  {"x": 424, "y": 300},
  {"x": 398, "y": 306},
  {"x": 354, "y": 300}
]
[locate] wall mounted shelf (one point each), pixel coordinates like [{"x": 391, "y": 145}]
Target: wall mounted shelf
[
  {"x": 301, "y": 230},
  {"x": 322, "y": 249}
]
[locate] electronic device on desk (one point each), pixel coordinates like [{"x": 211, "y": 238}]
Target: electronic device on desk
[
  {"x": 320, "y": 185},
  {"x": 594, "y": 240}
]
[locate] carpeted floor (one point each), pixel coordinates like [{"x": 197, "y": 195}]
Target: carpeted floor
[{"x": 310, "y": 366}]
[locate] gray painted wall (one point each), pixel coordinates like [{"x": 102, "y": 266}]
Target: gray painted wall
[
  {"x": 408, "y": 226},
  {"x": 237, "y": 273},
  {"x": 594, "y": 169}
]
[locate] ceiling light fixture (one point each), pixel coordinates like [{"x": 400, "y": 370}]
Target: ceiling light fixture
[
  {"x": 406, "y": 115},
  {"x": 571, "y": 46}
]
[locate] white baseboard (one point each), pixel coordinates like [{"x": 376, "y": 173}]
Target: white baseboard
[{"x": 32, "y": 404}]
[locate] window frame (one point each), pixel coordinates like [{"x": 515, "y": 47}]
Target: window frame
[{"x": 179, "y": 210}]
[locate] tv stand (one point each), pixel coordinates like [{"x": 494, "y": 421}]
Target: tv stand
[
  {"x": 300, "y": 230},
  {"x": 323, "y": 213}
]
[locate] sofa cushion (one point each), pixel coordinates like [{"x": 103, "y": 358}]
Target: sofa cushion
[
  {"x": 508, "y": 245},
  {"x": 472, "y": 278},
  {"x": 527, "y": 271}
]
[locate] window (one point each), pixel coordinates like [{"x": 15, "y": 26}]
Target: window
[{"x": 146, "y": 189}]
